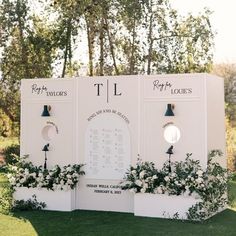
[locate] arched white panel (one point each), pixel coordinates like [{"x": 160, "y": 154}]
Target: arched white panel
[{"x": 107, "y": 147}]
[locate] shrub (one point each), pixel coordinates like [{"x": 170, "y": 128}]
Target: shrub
[
  {"x": 12, "y": 154},
  {"x": 6, "y": 199},
  {"x": 28, "y": 205}
]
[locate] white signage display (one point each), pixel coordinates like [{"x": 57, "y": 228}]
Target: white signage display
[
  {"x": 108, "y": 122},
  {"x": 107, "y": 147}
]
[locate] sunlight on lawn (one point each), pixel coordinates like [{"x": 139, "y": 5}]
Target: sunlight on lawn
[{"x": 12, "y": 226}]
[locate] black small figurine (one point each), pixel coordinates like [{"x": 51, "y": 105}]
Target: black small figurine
[
  {"x": 45, "y": 149},
  {"x": 170, "y": 152}
]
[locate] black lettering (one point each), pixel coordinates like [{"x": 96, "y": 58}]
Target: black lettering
[
  {"x": 115, "y": 90},
  {"x": 38, "y": 90},
  {"x": 155, "y": 84},
  {"x": 98, "y": 88}
]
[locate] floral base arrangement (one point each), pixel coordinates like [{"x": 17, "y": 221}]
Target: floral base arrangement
[
  {"x": 207, "y": 188},
  {"x": 55, "y": 187},
  {"x": 25, "y": 174}
]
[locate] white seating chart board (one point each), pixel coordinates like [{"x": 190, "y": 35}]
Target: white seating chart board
[{"x": 107, "y": 148}]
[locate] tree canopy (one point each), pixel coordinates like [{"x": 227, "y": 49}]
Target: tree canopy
[{"x": 43, "y": 38}]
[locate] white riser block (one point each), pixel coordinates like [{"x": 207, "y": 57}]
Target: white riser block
[
  {"x": 162, "y": 206},
  {"x": 56, "y": 200}
]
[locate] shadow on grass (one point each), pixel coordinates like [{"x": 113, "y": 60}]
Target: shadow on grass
[{"x": 93, "y": 223}]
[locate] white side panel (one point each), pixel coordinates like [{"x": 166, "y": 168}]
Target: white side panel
[
  {"x": 189, "y": 117},
  {"x": 216, "y": 116},
  {"x": 56, "y": 129}
]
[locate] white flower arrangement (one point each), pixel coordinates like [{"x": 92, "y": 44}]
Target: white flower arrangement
[
  {"x": 187, "y": 178},
  {"x": 25, "y": 174}
]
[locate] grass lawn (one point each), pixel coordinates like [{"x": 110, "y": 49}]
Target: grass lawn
[
  {"x": 86, "y": 223},
  {"x": 108, "y": 223}
]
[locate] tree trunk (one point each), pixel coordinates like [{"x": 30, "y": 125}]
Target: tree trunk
[
  {"x": 101, "y": 39},
  {"x": 24, "y": 52},
  {"x": 90, "y": 46},
  {"x": 132, "y": 61},
  {"x": 111, "y": 46},
  {"x": 150, "y": 40},
  {"x": 68, "y": 46}
]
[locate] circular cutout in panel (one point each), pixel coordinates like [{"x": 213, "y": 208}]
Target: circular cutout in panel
[
  {"x": 48, "y": 132},
  {"x": 171, "y": 134}
]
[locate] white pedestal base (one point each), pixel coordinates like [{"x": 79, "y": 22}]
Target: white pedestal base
[
  {"x": 56, "y": 200},
  {"x": 162, "y": 206}
]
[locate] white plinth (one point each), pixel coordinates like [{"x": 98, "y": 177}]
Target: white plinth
[
  {"x": 56, "y": 200},
  {"x": 162, "y": 206}
]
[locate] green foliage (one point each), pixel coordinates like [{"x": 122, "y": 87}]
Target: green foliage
[
  {"x": 27, "y": 52},
  {"x": 6, "y": 198},
  {"x": 123, "y": 37},
  {"x": 232, "y": 192},
  {"x": 143, "y": 178},
  {"x": 28, "y": 205},
  {"x": 12, "y": 154},
  {"x": 228, "y": 72},
  {"x": 233, "y": 176}
]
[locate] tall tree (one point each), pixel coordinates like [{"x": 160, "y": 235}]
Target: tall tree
[{"x": 27, "y": 52}]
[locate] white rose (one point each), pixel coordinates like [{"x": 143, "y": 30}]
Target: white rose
[
  {"x": 199, "y": 180},
  {"x": 138, "y": 182},
  {"x": 9, "y": 176},
  {"x": 33, "y": 175},
  {"x": 173, "y": 175},
  {"x": 133, "y": 190},
  {"x": 187, "y": 193},
  {"x": 75, "y": 175},
  {"x": 159, "y": 190},
  {"x": 48, "y": 177},
  {"x": 22, "y": 180},
  {"x": 141, "y": 175},
  {"x": 59, "y": 187},
  {"x": 167, "y": 178},
  {"x": 154, "y": 177},
  {"x": 65, "y": 187},
  {"x": 145, "y": 186},
  {"x": 26, "y": 172},
  {"x": 199, "y": 172},
  {"x": 143, "y": 190},
  {"x": 195, "y": 195}
]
